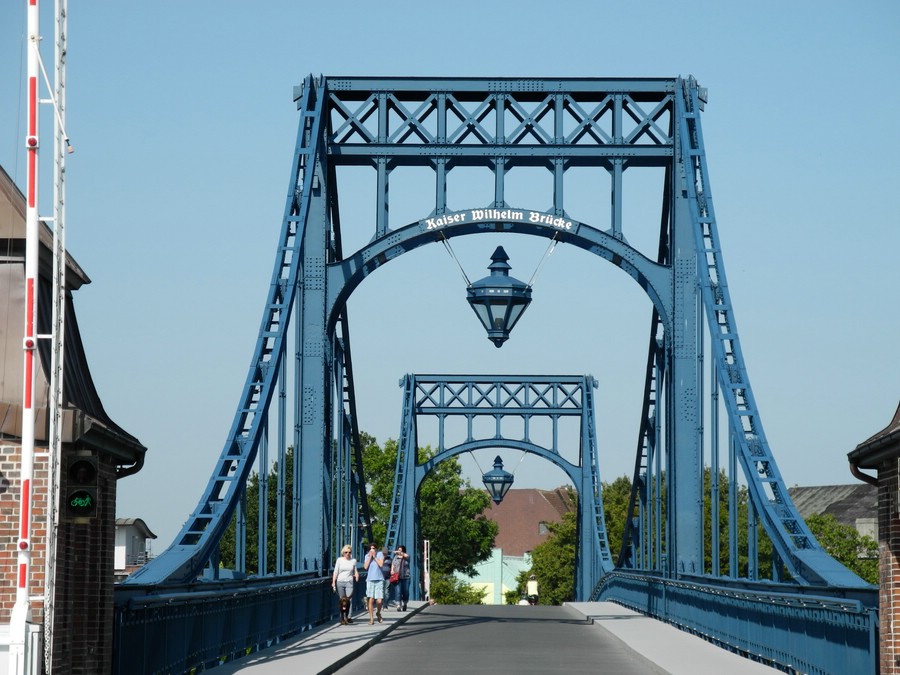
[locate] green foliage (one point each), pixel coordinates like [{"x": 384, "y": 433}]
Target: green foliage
[
  {"x": 452, "y": 518},
  {"x": 451, "y": 510},
  {"x": 227, "y": 544},
  {"x": 857, "y": 552},
  {"x": 842, "y": 542},
  {"x": 451, "y": 513},
  {"x": 379, "y": 465},
  {"x": 615, "y": 508},
  {"x": 553, "y": 563},
  {"x": 512, "y": 597},
  {"x": 446, "y": 589}
]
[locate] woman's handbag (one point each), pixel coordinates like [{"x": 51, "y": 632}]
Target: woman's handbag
[{"x": 395, "y": 577}]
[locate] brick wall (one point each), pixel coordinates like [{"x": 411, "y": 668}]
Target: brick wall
[
  {"x": 83, "y": 607},
  {"x": 889, "y": 559},
  {"x": 10, "y": 463}
]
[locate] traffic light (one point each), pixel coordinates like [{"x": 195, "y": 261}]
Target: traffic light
[{"x": 81, "y": 486}]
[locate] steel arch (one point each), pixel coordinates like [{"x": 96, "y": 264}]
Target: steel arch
[{"x": 499, "y": 396}]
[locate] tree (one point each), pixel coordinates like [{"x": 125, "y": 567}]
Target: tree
[
  {"x": 448, "y": 590},
  {"x": 858, "y": 553},
  {"x": 227, "y": 547},
  {"x": 553, "y": 564},
  {"x": 615, "y": 509},
  {"x": 451, "y": 512},
  {"x": 452, "y": 518},
  {"x": 379, "y": 466}
]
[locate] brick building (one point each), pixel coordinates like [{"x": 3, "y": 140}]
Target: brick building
[
  {"x": 881, "y": 453},
  {"x": 523, "y": 515},
  {"x": 79, "y": 597},
  {"x": 522, "y": 518}
]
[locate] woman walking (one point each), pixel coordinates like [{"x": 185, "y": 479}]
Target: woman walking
[
  {"x": 400, "y": 567},
  {"x": 343, "y": 579}
]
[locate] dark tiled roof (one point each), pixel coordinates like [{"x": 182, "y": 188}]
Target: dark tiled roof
[
  {"x": 845, "y": 502},
  {"x": 521, "y": 513},
  {"x": 882, "y": 446}
]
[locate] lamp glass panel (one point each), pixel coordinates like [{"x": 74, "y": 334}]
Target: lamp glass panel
[
  {"x": 483, "y": 314},
  {"x": 514, "y": 313}
]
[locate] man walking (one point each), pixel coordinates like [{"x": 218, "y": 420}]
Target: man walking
[{"x": 374, "y": 582}]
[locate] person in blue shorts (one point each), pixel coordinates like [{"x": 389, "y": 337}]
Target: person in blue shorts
[{"x": 374, "y": 582}]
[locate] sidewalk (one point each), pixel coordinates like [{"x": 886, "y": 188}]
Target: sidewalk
[
  {"x": 324, "y": 649},
  {"x": 675, "y": 651}
]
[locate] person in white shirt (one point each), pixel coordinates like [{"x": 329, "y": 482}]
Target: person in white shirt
[{"x": 343, "y": 579}]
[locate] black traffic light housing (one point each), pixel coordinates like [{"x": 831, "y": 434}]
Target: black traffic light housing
[{"x": 82, "y": 474}]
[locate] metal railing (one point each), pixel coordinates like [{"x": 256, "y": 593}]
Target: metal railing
[
  {"x": 793, "y": 628},
  {"x": 198, "y": 626}
]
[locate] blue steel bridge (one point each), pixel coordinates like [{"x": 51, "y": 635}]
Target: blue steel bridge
[{"x": 728, "y": 558}]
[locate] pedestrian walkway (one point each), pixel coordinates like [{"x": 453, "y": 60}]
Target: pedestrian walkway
[
  {"x": 322, "y": 650},
  {"x": 328, "y": 648},
  {"x": 673, "y": 650}
]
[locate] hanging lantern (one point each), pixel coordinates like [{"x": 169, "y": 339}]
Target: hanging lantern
[
  {"x": 499, "y": 299},
  {"x": 497, "y": 481}
]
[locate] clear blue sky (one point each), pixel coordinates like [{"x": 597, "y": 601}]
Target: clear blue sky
[{"x": 183, "y": 124}]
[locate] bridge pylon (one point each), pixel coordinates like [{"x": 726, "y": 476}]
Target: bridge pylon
[
  {"x": 302, "y": 356},
  {"x": 709, "y": 506}
]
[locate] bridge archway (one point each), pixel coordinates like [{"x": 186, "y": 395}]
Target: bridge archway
[
  {"x": 655, "y": 279},
  {"x": 572, "y": 471},
  {"x": 500, "y": 125},
  {"x": 302, "y": 359},
  {"x": 497, "y": 397}
]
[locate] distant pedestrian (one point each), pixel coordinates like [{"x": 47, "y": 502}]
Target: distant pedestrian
[
  {"x": 386, "y": 562},
  {"x": 374, "y": 582},
  {"x": 400, "y": 567},
  {"x": 531, "y": 590},
  {"x": 343, "y": 579}
]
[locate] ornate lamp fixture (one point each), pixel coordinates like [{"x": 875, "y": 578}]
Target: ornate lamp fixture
[
  {"x": 497, "y": 481},
  {"x": 499, "y": 300}
]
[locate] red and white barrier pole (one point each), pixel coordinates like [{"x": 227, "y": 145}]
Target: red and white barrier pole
[{"x": 21, "y": 613}]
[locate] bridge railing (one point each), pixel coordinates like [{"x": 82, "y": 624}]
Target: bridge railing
[
  {"x": 786, "y": 626},
  {"x": 201, "y": 625}
]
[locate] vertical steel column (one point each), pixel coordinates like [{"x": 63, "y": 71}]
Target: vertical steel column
[
  {"x": 714, "y": 471},
  {"x": 262, "y": 520},
  {"x": 594, "y": 557},
  {"x": 382, "y": 210},
  {"x": 280, "y": 502},
  {"x": 312, "y": 384},
  {"x": 616, "y": 193},
  {"x": 315, "y": 386},
  {"x": 683, "y": 452},
  {"x": 440, "y": 164},
  {"x": 499, "y": 160}
]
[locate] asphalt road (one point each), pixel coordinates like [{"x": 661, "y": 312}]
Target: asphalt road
[{"x": 494, "y": 639}]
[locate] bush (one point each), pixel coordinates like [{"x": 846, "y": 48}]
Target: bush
[{"x": 448, "y": 590}]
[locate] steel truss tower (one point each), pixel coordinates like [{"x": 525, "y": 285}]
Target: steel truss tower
[
  {"x": 501, "y": 397},
  {"x": 302, "y": 357}
]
